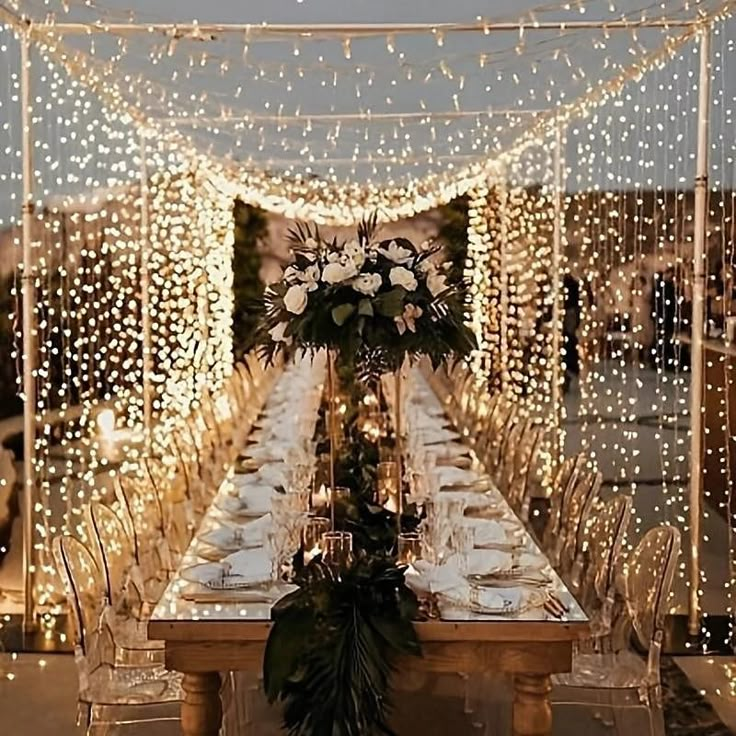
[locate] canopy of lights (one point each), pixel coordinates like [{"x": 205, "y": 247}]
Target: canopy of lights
[{"x": 571, "y": 127}]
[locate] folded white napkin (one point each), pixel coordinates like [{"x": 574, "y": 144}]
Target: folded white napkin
[
  {"x": 484, "y": 600},
  {"x": 249, "y": 565},
  {"x": 434, "y": 434},
  {"x": 271, "y": 451},
  {"x": 240, "y": 535},
  {"x": 254, "y": 496},
  {"x": 273, "y": 474},
  {"x": 425, "y": 577},
  {"x": 450, "y": 451},
  {"x": 449, "y": 475},
  {"x": 487, "y": 532},
  {"x": 454, "y": 591}
]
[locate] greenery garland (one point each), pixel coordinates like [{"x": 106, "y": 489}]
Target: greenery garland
[
  {"x": 334, "y": 646},
  {"x": 334, "y": 642}
]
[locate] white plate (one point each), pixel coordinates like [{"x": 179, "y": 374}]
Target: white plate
[
  {"x": 235, "y": 506},
  {"x": 510, "y": 604}
]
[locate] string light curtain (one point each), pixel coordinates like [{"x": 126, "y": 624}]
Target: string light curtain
[
  {"x": 310, "y": 125},
  {"x": 334, "y": 122},
  {"x": 88, "y": 252}
]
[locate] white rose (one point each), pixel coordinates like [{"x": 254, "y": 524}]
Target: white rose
[
  {"x": 400, "y": 276},
  {"x": 295, "y": 299},
  {"x": 368, "y": 284},
  {"x": 336, "y": 273},
  {"x": 310, "y": 277},
  {"x": 277, "y": 333},
  {"x": 436, "y": 283},
  {"x": 394, "y": 252},
  {"x": 355, "y": 252},
  {"x": 291, "y": 273}
]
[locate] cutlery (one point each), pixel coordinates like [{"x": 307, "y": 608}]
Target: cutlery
[{"x": 240, "y": 597}]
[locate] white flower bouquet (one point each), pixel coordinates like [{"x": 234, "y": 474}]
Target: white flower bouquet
[{"x": 374, "y": 302}]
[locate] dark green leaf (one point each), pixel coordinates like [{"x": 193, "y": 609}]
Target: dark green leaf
[{"x": 342, "y": 313}]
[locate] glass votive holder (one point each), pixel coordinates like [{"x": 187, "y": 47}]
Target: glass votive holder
[
  {"x": 337, "y": 549},
  {"x": 386, "y": 485},
  {"x": 340, "y": 494},
  {"x": 315, "y": 528},
  {"x": 410, "y": 548},
  {"x": 386, "y": 471}
]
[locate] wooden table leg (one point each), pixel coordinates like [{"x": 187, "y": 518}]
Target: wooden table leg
[
  {"x": 201, "y": 710},
  {"x": 532, "y": 711}
]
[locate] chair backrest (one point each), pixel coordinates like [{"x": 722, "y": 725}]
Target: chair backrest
[
  {"x": 125, "y": 513},
  {"x": 561, "y": 478},
  {"x": 648, "y": 574},
  {"x": 501, "y": 424},
  {"x": 84, "y": 584},
  {"x": 507, "y": 464},
  {"x": 114, "y": 550},
  {"x": 528, "y": 464},
  {"x": 144, "y": 506},
  {"x": 567, "y": 536},
  {"x": 186, "y": 460},
  {"x": 605, "y": 541}
]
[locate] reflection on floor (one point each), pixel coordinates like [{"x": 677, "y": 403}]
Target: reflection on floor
[{"x": 41, "y": 699}]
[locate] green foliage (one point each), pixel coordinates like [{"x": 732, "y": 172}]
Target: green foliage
[
  {"x": 334, "y": 645},
  {"x": 373, "y": 302},
  {"x": 454, "y": 235},
  {"x": 251, "y": 228}
]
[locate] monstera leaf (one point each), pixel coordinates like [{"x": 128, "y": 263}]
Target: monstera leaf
[{"x": 333, "y": 648}]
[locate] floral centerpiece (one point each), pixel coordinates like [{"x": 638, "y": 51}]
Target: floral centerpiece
[{"x": 372, "y": 301}]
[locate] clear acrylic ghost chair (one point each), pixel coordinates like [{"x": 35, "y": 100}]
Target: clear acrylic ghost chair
[
  {"x": 562, "y": 488},
  {"x": 486, "y": 430},
  {"x": 8, "y": 477},
  {"x": 561, "y": 477},
  {"x": 206, "y": 447},
  {"x": 576, "y": 517},
  {"x": 621, "y": 681},
  {"x": 464, "y": 394},
  {"x": 130, "y": 601},
  {"x": 140, "y": 509},
  {"x": 109, "y": 695},
  {"x": 176, "y": 508},
  {"x": 188, "y": 467},
  {"x": 507, "y": 467},
  {"x": 221, "y": 445},
  {"x": 232, "y": 404},
  {"x": 503, "y": 421},
  {"x": 484, "y": 409},
  {"x": 527, "y": 469},
  {"x": 602, "y": 558}
]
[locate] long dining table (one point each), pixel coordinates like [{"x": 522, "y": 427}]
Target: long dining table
[{"x": 207, "y": 633}]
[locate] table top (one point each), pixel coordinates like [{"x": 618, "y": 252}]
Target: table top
[{"x": 191, "y": 611}]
